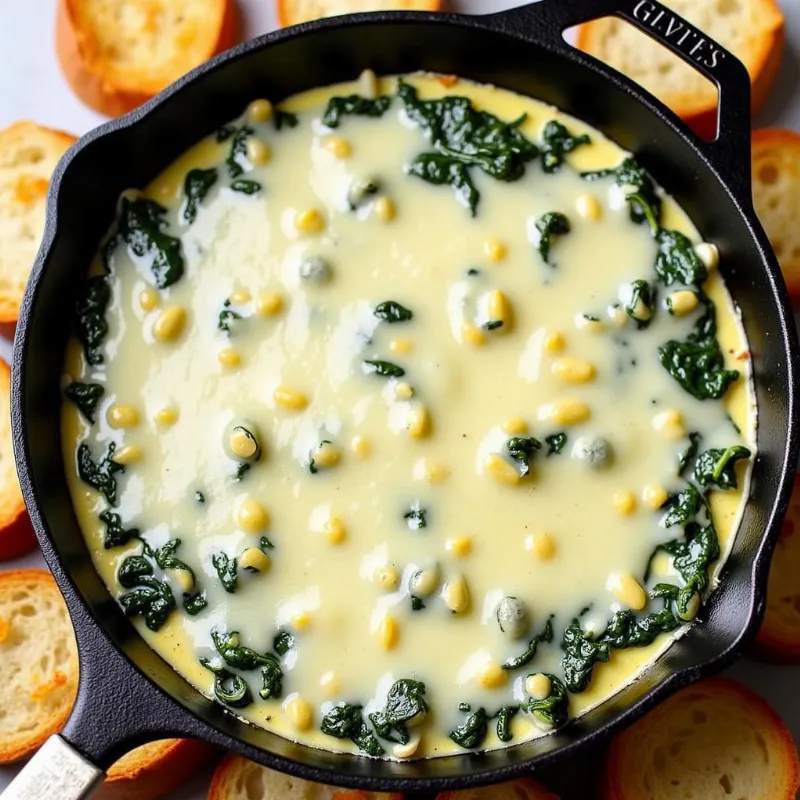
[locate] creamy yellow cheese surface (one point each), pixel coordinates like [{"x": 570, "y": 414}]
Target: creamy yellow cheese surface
[{"x": 396, "y": 516}]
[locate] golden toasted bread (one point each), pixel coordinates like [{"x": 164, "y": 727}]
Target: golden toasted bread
[
  {"x": 28, "y": 155},
  {"x": 752, "y": 29},
  {"x": 715, "y": 740},
  {"x": 292, "y": 12},
  {"x": 38, "y": 662},
  {"x": 776, "y": 193},
  {"x": 117, "y": 54},
  {"x": 236, "y": 778}
]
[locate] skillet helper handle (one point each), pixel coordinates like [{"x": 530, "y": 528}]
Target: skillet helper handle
[
  {"x": 729, "y": 153},
  {"x": 56, "y": 772}
]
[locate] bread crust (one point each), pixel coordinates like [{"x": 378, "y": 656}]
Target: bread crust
[
  {"x": 92, "y": 78},
  {"x": 16, "y": 748},
  {"x": 290, "y": 13},
  {"x": 226, "y": 785},
  {"x": 700, "y": 113},
  {"x": 155, "y": 770},
  {"x": 778, "y": 639},
  {"x": 24, "y": 183},
  {"x": 16, "y": 532},
  {"x": 629, "y": 747}
]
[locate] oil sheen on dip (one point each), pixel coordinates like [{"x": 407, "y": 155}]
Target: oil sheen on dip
[{"x": 406, "y": 427}]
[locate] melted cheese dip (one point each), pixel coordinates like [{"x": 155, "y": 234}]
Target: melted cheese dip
[{"x": 415, "y": 491}]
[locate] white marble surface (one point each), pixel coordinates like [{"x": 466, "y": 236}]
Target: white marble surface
[{"x": 31, "y": 87}]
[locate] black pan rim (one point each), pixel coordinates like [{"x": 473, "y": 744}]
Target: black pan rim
[{"x": 477, "y": 776}]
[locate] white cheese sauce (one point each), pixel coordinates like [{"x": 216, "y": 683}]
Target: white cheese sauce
[{"x": 417, "y": 475}]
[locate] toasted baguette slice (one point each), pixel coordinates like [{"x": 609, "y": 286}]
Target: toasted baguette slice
[
  {"x": 28, "y": 155},
  {"x": 715, "y": 740},
  {"x": 38, "y": 662},
  {"x": 523, "y": 789},
  {"x": 236, "y": 778},
  {"x": 116, "y": 54},
  {"x": 292, "y": 12},
  {"x": 155, "y": 770},
  {"x": 16, "y": 534},
  {"x": 752, "y": 29},
  {"x": 776, "y": 193},
  {"x": 779, "y": 637}
]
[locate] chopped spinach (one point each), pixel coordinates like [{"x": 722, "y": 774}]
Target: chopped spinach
[
  {"x": 100, "y": 475},
  {"x": 196, "y": 186},
  {"x": 199, "y": 497},
  {"x": 116, "y": 535},
  {"x": 472, "y": 732},
  {"x": 681, "y": 507},
  {"x": 141, "y": 225},
  {"x": 417, "y": 603},
  {"x": 522, "y": 449},
  {"x": 492, "y": 324},
  {"x": 227, "y": 571},
  {"x": 383, "y": 368},
  {"x": 641, "y": 305},
  {"x": 85, "y": 396},
  {"x": 244, "y": 186},
  {"x": 550, "y": 225},
  {"x": 166, "y": 559},
  {"x": 416, "y": 517},
  {"x": 630, "y": 175},
  {"x": 284, "y": 119},
  {"x": 283, "y": 642},
  {"x": 265, "y": 544},
  {"x": 442, "y": 170},
  {"x": 530, "y": 653},
  {"x": 149, "y": 597},
  {"x": 556, "y": 143},
  {"x": 356, "y": 105},
  {"x": 241, "y": 470},
  {"x": 464, "y": 138},
  {"x": 90, "y": 325},
  {"x": 553, "y": 710},
  {"x": 235, "y": 654},
  {"x": 226, "y": 317},
  {"x": 237, "y": 157},
  {"x": 229, "y": 688},
  {"x": 581, "y": 653},
  {"x": 404, "y": 703},
  {"x": 271, "y": 678},
  {"x": 555, "y": 443},
  {"x": 688, "y": 455},
  {"x": 391, "y": 311},
  {"x": 504, "y": 717},
  {"x": 193, "y": 604},
  {"x": 692, "y": 557},
  {"x": 346, "y": 721},
  {"x": 626, "y": 630},
  {"x": 698, "y": 367},
  {"x": 717, "y": 467}
]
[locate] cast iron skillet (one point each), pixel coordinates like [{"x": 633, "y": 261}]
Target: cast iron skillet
[{"x": 128, "y": 694}]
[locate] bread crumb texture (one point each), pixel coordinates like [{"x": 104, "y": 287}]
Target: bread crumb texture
[
  {"x": 776, "y": 192},
  {"x": 28, "y": 155},
  {"x": 779, "y": 637},
  {"x": 144, "y": 45},
  {"x": 715, "y": 740},
  {"x": 292, "y": 12},
  {"x": 236, "y": 778},
  {"x": 38, "y": 662},
  {"x": 751, "y": 29}
]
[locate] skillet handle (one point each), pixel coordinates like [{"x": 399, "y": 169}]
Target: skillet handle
[
  {"x": 729, "y": 153},
  {"x": 56, "y": 771}
]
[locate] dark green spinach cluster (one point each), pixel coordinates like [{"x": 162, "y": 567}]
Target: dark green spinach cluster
[
  {"x": 85, "y": 396},
  {"x": 354, "y": 104},
  {"x": 464, "y": 138}
]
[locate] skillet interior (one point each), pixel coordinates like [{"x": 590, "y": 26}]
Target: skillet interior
[{"x": 124, "y": 705}]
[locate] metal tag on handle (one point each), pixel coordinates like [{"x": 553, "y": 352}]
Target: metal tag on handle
[{"x": 56, "y": 772}]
